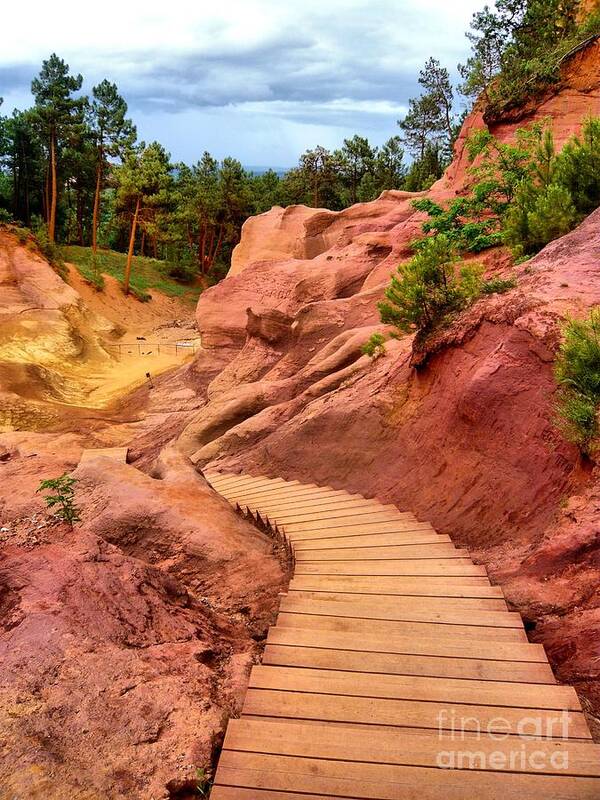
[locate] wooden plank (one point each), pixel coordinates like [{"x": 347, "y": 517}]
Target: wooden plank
[
  {"x": 359, "y": 529},
  {"x": 300, "y": 491},
  {"x": 400, "y": 628},
  {"x": 403, "y": 747},
  {"x": 401, "y": 603},
  {"x": 427, "y": 689},
  {"x": 319, "y": 515},
  {"x": 413, "y": 714},
  {"x": 363, "y": 553},
  {"x": 435, "y": 586},
  {"x": 284, "y": 777},
  {"x": 346, "y": 520},
  {"x": 400, "y": 664},
  {"x": 380, "y": 611},
  {"x": 371, "y": 540},
  {"x": 457, "y": 567},
  {"x": 229, "y": 481},
  {"x": 425, "y": 645},
  {"x": 324, "y": 503}
]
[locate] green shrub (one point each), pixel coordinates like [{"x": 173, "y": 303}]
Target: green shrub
[
  {"x": 498, "y": 285},
  {"x": 63, "y": 498},
  {"x": 22, "y": 234},
  {"x": 430, "y": 287},
  {"x": 535, "y": 194},
  {"x": 577, "y": 372},
  {"x": 375, "y": 346},
  {"x": 539, "y": 215},
  {"x": 465, "y": 223},
  {"x": 578, "y": 167}
]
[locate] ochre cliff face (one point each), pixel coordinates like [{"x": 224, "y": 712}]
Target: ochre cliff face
[{"x": 467, "y": 440}]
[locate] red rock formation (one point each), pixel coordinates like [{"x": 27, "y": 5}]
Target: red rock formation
[
  {"x": 467, "y": 440},
  {"x": 125, "y": 643}
]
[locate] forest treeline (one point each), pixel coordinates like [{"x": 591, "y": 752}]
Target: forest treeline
[{"x": 73, "y": 170}]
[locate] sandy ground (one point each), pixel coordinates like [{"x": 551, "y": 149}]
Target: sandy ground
[{"x": 154, "y": 337}]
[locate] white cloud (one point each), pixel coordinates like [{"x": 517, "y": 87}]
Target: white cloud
[{"x": 306, "y": 68}]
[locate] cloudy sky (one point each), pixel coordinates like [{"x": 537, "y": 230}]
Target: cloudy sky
[{"x": 258, "y": 79}]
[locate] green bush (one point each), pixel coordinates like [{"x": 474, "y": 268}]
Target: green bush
[
  {"x": 577, "y": 372},
  {"x": 375, "y": 346},
  {"x": 578, "y": 167},
  {"x": 537, "y": 216},
  {"x": 498, "y": 285},
  {"x": 465, "y": 222},
  {"x": 429, "y": 288},
  {"x": 536, "y": 194}
]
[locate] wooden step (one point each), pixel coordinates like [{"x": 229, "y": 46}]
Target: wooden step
[
  {"x": 426, "y": 644},
  {"x": 371, "y": 540},
  {"x": 407, "y": 585},
  {"x": 364, "y": 554},
  {"x": 457, "y": 567},
  {"x": 392, "y": 652},
  {"x": 402, "y": 664},
  {"x": 358, "y": 529},
  {"x": 395, "y": 611},
  {"x": 406, "y": 714},
  {"x": 402, "y": 603},
  {"x": 426, "y": 689},
  {"x": 400, "y": 628}
]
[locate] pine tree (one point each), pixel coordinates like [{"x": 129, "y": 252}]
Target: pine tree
[
  {"x": 56, "y": 112},
  {"x": 355, "y": 160},
  {"x": 144, "y": 184},
  {"x": 113, "y": 134}
]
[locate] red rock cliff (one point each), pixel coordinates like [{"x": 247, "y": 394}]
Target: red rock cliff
[{"x": 468, "y": 440}]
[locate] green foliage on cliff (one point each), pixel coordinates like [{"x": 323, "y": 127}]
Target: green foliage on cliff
[
  {"x": 535, "y": 193},
  {"x": 518, "y": 47},
  {"x": 577, "y": 372},
  {"x": 430, "y": 287}
]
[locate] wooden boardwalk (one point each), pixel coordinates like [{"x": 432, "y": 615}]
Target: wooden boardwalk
[{"x": 395, "y": 670}]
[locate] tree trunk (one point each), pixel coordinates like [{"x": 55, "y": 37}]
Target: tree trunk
[
  {"x": 202, "y": 253},
  {"x": 96, "y": 207},
  {"x": 46, "y": 195},
  {"x": 215, "y": 252},
  {"x": 53, "y": 188},
  {"x": 131, "y": 245},
  {"x": 79, "y": 213},
  {"x": 208, "y": 256},
  {"x": 143, "y": 243}
]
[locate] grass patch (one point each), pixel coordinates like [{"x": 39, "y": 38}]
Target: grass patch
[{"x": 146, "y": 273}]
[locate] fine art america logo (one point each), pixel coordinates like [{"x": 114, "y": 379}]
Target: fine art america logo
[{"x": 471, "y": 744}]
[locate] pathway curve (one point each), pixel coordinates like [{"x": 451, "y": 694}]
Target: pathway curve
[{"x": 395, "y": 670}]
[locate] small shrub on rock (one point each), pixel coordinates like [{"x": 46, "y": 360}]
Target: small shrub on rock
[
  {"x": 577, "y": 372},
  {"x": 430, "y": 287},
  {"x": 375, "y": 346},
  {"x": 62, "y": 498}
]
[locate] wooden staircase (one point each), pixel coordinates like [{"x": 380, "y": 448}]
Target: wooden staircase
[{"x": 395, "y": 670}]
